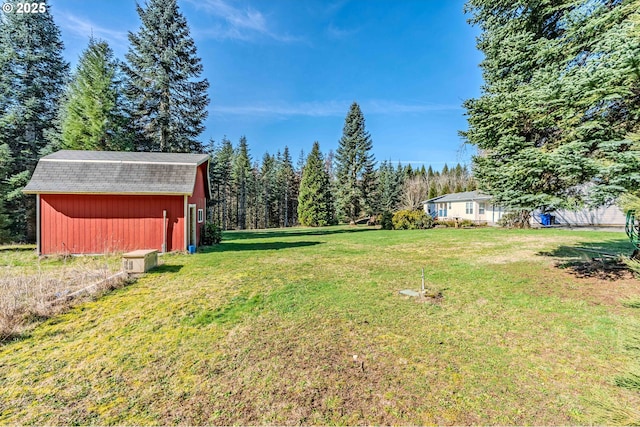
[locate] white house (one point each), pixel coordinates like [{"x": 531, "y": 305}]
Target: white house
[
  {"x": 477, "y": 206},
  {"x": 603, "y": 216},
  {"x": 471, "y": 205}
]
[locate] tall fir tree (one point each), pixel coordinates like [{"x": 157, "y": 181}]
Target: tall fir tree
[
  {"x": 370, "y": 191},
  {"x": 5, "y": 167},
  {"x": 315, "y": 201},
  {"x": 254, "y": 194},
  {"x": 557, "y": 122},
  {"x": 93, "y": 112},
  {"x": 408, "y": 172},
  {"x": 241, "y": 178},
  {"x": 169, "y": 98},
  {"x": 32, "y": 77},
  {"x": 390, "y": 181},
  {"x": 221, "y": 182},
  {"x": 354, "y": 166},
  {"x": 288, "y": 184},
  {"x": 269, "y": 189},
  {"x": 433, "y": 190}
]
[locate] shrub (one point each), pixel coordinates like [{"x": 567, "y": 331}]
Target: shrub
[
  {"x": 519, "y": 219},
  {"x": 445, "y": 223},
  {"x": 386, "y": 220},
  {"x": 461, "y": 223},
  {"x": 211, "y": 234},
  {"x": 411, "y": 220}
]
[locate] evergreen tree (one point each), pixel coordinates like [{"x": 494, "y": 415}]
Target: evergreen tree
[
  {"x": 254, "y": 197},
  {"x": 92, "y": 114},
  {"x": 315, "y": 202},
  {"x": 556, "y": 121},
  {"x": 433, "y": 190},
  {"x": 445, "y": 189},
  {"x": 241, "y": 179},
  {"x": 300, "y": 163},
  {"x": 269, "y": 191},
  {"x": 170, "y": 102},
  {"x": 369, "y": 185},
  {"x": 408, "y": 172},
  {"x": 221, "y": 172},
  {"x": 329, "y": 165},
  {"x": 354, "y": 166},
  {"x": 390, "y": 186},
  {"x": 289, "y": 194},
  {"x": 298, "y": 179},
  {"x": 5, "y": 167},
  {"x": 32, "y": 77}
]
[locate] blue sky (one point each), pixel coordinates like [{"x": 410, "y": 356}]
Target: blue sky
[{"x": 284, "y": 72}]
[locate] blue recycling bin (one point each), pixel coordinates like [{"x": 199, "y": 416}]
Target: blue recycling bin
[
  {"x": 192, "y": 249},
  {"x": 545, "y": 219}
]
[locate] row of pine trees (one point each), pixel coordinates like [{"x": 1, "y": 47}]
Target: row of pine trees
[
  {"x": 156, "y": 100},
  {"x": 276, "y": 192}
]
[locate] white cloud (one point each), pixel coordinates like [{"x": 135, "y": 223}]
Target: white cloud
[
  {"x": 329, "y": 108},
  {"x": 83, "y": 27},
  {"x": 340, "y": 33},
  {"x": 247, "y": 19},
  {"x": 393, "y": 107},
  {"x": 238, "y": 24},
  {"x": 311, "y": 109},
  {"x": 334, "y": 7}
]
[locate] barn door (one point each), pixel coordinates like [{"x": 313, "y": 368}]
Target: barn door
[{"x": 192, "y": 225}]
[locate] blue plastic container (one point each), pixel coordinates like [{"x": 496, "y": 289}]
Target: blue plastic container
[
  {"x": 545, "y": 219},
  {"x": 192, "y": 249}
]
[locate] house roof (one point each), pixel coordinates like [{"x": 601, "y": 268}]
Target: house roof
[
  {"x": 460, "y": 197},
  {"x": 116, "y": 172}
]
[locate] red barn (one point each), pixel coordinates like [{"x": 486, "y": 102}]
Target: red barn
[{"x": 92, "y": 202}]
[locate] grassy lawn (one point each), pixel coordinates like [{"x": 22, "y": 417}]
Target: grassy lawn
[{"x": 307, "y": 327}]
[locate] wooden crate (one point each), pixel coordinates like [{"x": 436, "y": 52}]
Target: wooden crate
[{"x": 140, "y": 261}]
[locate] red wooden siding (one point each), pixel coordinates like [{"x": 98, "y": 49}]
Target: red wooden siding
[
  {"x": 94, "y": 224},
  {"x": 198, "y": 198}
]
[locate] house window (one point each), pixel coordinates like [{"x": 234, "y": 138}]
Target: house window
[
  {"x": 449, "y": 205},
  {"x": 200, "y": 215},
  {"x": 481, "y": 208},
  {"x": 469, "y": 208},
  {"x": 442, "y": 212}
]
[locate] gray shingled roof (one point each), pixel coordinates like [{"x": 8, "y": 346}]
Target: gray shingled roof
[
  {"x": 460, "y": 197},
  {"x": 114, "y": 172}
]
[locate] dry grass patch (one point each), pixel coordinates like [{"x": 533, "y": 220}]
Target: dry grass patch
[{"x": 33, "y": 289}]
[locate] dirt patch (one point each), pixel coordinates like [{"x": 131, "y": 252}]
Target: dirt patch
[
  {"x": 603, "y": 269},
  {"x": 429, "y": 297},
  {"x": 590, "y": 282}
]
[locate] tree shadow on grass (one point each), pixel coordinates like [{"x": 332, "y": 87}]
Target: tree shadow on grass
[
  {"x": 262, "y": 246},
  {"x": 17, "y": 248},
  {"x": 601, "y": 260},
  {"x": 283, "y": 232},
  {"x": 165, "y": 268}
]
